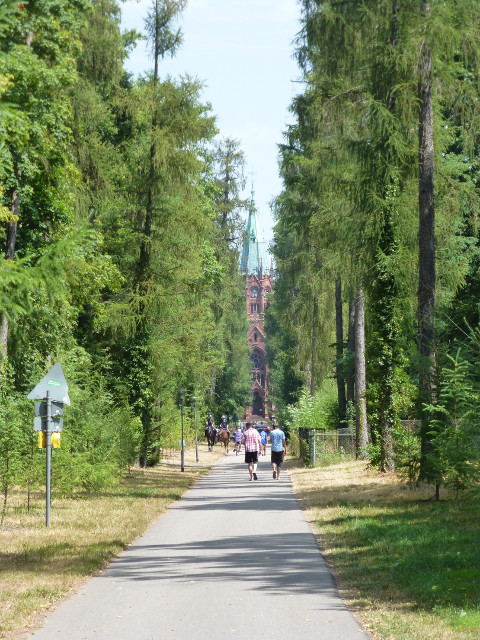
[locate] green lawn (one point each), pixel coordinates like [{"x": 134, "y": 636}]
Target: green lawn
[{"x": 410, "y": 565}]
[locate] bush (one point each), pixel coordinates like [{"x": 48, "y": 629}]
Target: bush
[
  {"x": 16, "y": 439},
  {"x": 319, "y": 411},
  {"x": 455, "y": 428},
  {"x": 98, "y": 442}
]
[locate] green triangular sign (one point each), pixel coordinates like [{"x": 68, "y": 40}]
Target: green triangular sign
[{"x": 55, "y": 383}]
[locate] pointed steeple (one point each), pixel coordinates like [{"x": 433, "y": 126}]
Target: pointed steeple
[{"x": 254, "y": 254}]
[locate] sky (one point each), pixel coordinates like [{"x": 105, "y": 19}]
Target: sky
[{"x": 242, "y": 51}]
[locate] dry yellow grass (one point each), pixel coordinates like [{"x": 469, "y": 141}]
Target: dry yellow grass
[
  {"x": 331, "y": 498},
  {"x": 353, "y": 481},
  {"x": 39, "y": 566}
]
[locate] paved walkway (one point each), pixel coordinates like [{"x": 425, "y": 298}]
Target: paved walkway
[{"x": 231, "y": 559}]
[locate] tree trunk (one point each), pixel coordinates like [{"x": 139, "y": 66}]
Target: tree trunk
[
  {"x": 360, "y": 377},
  {"x": 426, "y": 241},
  {"x": 314, "y": 345},
  {"x": 5, "y": 487},
  {"x": 147, "y": 226},
  {"x": 12, "y": 228},
  {"x": 387, "y": 462},
  {"x": 342, "y": 401},
  {"x": 144, "y": 259},
  {"x": 146, "y": 422},
  {"x": 9, "y": 255},
  {"x": 351, "y": 352}
]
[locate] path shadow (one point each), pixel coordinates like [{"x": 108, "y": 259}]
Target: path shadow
[{"x": 285, "y": 564}]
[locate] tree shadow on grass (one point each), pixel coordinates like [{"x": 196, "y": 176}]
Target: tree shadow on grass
[{"x": 392, "y": 547}]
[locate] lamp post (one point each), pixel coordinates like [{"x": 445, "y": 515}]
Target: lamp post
[
  {"x": 194, "y": 398},
  {"x": 182, "y": 398}
]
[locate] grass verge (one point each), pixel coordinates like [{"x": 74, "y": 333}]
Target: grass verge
[
  {"x": 408, "y": 565},
  {"x": 38, "y": 566}
]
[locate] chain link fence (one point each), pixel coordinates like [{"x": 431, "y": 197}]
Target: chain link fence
[{"x": 319, "y": 447}]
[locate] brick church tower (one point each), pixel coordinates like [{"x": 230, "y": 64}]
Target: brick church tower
[{"x": 259, "y": 284}]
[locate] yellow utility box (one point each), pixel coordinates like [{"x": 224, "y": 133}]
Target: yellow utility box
[{"x": 54, "y": 439}]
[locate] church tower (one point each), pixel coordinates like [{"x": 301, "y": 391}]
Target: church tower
[{"x": 258, "y": 286}]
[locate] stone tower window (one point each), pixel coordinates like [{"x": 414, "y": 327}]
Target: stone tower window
[
  {"x": 258, "y": 360},
  {"x": 254, "y": 292}
]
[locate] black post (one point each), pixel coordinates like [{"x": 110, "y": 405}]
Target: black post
[
  {"x": 182, "y": 398},
  {"x": 195, "y": 423}
]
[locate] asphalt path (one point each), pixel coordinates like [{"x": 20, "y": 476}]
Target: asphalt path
[{"x": 231, "y": 559}]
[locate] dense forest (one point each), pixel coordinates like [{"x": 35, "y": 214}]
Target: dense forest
[
  {"x": 121, "y": 229},
  {"x": 375, "y": 319}
]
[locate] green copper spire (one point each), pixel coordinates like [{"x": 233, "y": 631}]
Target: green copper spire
[{"x": 254, "y": 252}]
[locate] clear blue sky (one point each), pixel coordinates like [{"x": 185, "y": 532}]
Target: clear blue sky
[{"x": 242, "y": 51}]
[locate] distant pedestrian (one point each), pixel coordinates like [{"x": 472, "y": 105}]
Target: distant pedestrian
[
  {"x": 238, "y": 440},
  {"x": 279, "y": 449},
  {"x": 253, "y": 443},
  {"x": 263, "y": 436}
]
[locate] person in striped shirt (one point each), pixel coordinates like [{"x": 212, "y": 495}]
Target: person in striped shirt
[{"x": 253, "y": 444}]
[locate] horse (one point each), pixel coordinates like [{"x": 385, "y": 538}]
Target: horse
[
  {"x": 211, "y": 436},
  {"x": 224, "y": 439}
]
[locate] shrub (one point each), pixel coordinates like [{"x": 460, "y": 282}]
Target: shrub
[{"x": 455, "y": 428}]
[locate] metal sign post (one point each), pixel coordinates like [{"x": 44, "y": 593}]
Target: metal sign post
[
  {"x": 48, "y": 500},
  {"x": 52, "y": 390}
]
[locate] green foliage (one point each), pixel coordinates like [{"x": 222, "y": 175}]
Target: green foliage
[
  {"x": 230, "y": 374},
  {"x": 35, "y": 137},
  {"x": 159, "y": 22},
  {"x": 100, "y": 438},
  {"x": 349, "y": 207},
  {"x": 406, "y": 439},
  {"x": 286, "y": 381},
  {"x": 125, "y": 261},
  {"x": 15, "y": 437},
  {"x": 455, "y": 428},
  {"x": 317, "y": 412}
]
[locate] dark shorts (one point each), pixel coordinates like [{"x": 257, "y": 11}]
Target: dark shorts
[
  {"x": 251, "y": 456},
  {"x": 277, "y": 457}
]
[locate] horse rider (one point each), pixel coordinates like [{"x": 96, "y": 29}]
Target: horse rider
[
  {"x": 210, "y": 422},
  {"x": 224, "y": 425}
]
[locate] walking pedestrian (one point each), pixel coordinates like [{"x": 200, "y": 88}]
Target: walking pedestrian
[
  {"x": 279, "y": 449},
  {"x": 238, "y": 440},
  {"x": 263, "y": 436},
  {"x": 253, "y": 444}
]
